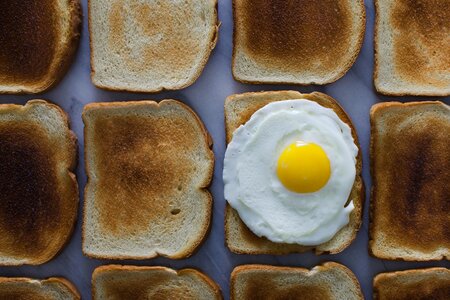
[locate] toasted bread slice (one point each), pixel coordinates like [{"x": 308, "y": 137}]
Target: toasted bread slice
[
  {"x": 130, "y": 282},
  {"x": 432, "y": 283},
  {"x": 238, "y": 110},
  {"x": 412, "y": 52},
  {"x": 54, "y": 288},
  {"x": 38, "y": 190},
  {"x": 38, "y": 40},
  {"x": 150, "y": 45},
  {"x": 327, "y": 281},
  {"x": 410, "y": 215},
  {"x": 148, "y": 166},
  {"x": 297, "y": 42}
]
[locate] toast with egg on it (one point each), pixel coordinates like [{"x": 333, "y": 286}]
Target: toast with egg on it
[
  {"x": 239, "y": 239},
  {"x": 54, "y": 288},
  {"x": 38, "y": 41},
  {"x": 410, "y": 212},
  {"x": 132, "y": 282},
  {"x": 431, "y": 283},
  {"x": 296, "y": 42},
  {"x": 150, "y": 45},
  {"x": 149, "y": 165},
  {"x": 412, "y": 47},
  {"x": 327, "y": 281},
  {"x": 38, "y": 188}
]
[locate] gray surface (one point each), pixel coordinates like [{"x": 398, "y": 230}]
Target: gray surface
[{"x": 354, "y": 91}]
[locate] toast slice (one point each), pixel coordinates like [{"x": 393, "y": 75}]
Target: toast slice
[
  {"x": 410, "y": 212},
  {"x": 239, "y": 239},
  {"x": 38, "y": 41},
  {"x": 38, "y": 189},
  {"x": 148, "y": 166},
  {"x": 296, "y": 42},
  {"x": 327, "y": 281},
  {"x": 432, "y": 283},
  {"x": 54, "y": 288},
  {"x": 150, "y": 45},
  {"x": 412, "y": 53},
  {"x": 130, "y": 282}
]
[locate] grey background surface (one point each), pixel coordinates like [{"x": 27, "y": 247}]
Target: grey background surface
[{"x": 354, "y": 91}]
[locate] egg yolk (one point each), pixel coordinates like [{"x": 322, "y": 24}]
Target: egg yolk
[{"x": 303, "y": 167}]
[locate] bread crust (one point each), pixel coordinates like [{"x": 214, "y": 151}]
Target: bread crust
[
  {"x": 124, "y": 268},
  {"x": 342, "y": 72},
  {"x": 52, "y": 280},
  {"x": 212, "y": 44},
  {"x": 64, "y": 56},
  {"x": 258, "y": 269},
  {"x": 203, "y": 187},
  {"x": 374, "y": 156},
  {"x": 249, "y": 243}
]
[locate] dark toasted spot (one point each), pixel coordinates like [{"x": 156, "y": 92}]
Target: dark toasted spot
[
  {"x": 19, "y": 294},
  {"x": 422, "y": 31},
  {"x": 271, "y": 287},
  {"x": 28, "y": 34},
  {"x": 175, "y": 211},
  {"x": 305, "y": 35},
  {"x": 143, "y": 164}
]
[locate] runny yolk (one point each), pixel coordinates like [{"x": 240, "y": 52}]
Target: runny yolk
[{"x": 303, "y": 167}]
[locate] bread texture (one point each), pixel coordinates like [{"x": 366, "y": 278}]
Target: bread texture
[
  {"x": 148, "y": 166},
  {"x": 325, "y": 282},
  {"x": 54, "y": 288},
  {"x": 296, "y": 42},
  {"x": 150, "y": 45},
  {"x": 432, "y": 283},
  {"x": 115, "y": 282},
  {"x": 412, "y": 53},
  {"x": 239, "y": 239},
  {"x": 38, "y": 41},
  {"x": 38, "y": 189},
  {"x": 410, "y": 215}
]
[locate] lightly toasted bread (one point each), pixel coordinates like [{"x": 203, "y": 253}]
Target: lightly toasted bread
[
  {"x": 54, "y": 288},
  {"x": 431, "y": 283},
  {"x": 296, "y": 42},
  {"x": 239, "y": 239},
  {"x": 131, "y": 282},
  {"x": 327, "y": 281},
  {"x": 412, "y": 47},
  {"x": 38, "y": 41},
  {"x": 38, "y": 189},
  {"x": 148, "y": 166},
  {"x": 150, "y": 45},
  {"x": 410, "y": 215}
]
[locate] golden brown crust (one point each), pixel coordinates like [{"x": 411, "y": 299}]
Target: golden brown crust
[
  {"x": 39, "y": 206},
  {"x": 272, "y": 36},
  {"x": 35, "y": 54},
  {"x": 33, "y": 289},
  {"x": 211, "y": 46},
  {"x": 125, "y": 133},
  {"x": 410, "y": 168},
  {"x": 431, "y": 283},
  {"x": 124, "y": 288},
  {"x": 262, "y": 282},
  {"x": 236, "y": 116}
]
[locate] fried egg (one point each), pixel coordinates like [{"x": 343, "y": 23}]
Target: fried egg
[{"x": 289, "y": 171}]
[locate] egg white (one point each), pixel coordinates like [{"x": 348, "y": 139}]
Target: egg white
[{"x": 253, "y": 189}]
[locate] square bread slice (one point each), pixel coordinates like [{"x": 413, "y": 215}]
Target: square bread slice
[
  {"x": 432, "y": 283},
  {"x": 148, "y": 166},
  {"x": 150, "y": 45},
  {"x": 130, "y": 282},
  {"x": 412, "y": 47},
  {"x": 325, "y": 282},
  {"x": 296, "y": 42},
  {"x": 410, "y": 211},
  {"x": 239, "y": 239},
  {"x": 38, "y": 188},
  {"x": 54, "y": 288}
]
